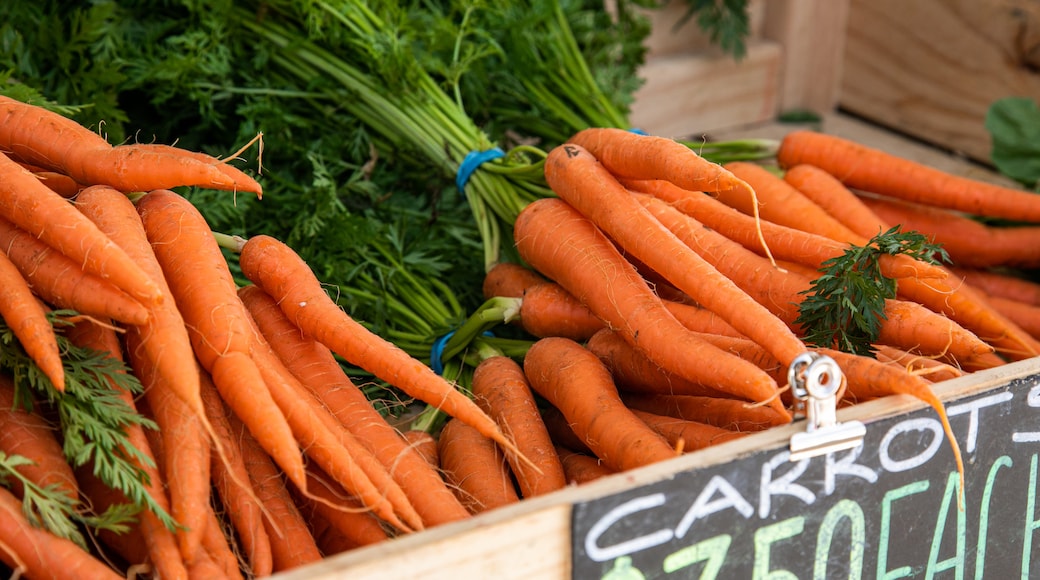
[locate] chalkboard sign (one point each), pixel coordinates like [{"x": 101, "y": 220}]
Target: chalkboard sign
[{"x": 888, "y": 509}]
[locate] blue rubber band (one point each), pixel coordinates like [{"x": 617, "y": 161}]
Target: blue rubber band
[
  {"x": 638, "y": 131},
  {"x": 437, "y": 350},
  {"x": 471, "y": 162}
]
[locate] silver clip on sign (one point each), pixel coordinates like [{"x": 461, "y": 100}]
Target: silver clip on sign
[{"x": 815, "y": 380}]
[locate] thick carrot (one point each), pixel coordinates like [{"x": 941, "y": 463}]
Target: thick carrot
[
  {"x": 59, "y": 281},
  {"x": 28, "y": 434},
  {"x": 568, "y": 248},
  {"x": 562, "y": 432},
  {"x": 719, "y": 412},
  {"x": 30, "y": 205},
  {"x": 1000, "y": 283},
  {"x": 581, "y": 468},
  {"x": 27, "y": 319},
  {"x": 633, "y": 371},
  {"x": 424, "y": 444},
  {"x": 547, "y": 309},
  {"x": 317, "y": 369},
  {"x": 475, "y": 468},
  {"x": 282, "y": 274},
  {"x": 969, "y": 242},
  {"x": 574, "y": 381},
  {"x": 501, "y": 389},
  {"x": 36, "y": 553},
  {"x": 218, "y": 324},
  {"x": 509, "y": 279},
  {"x": 785, "y": 243},
  {"x": 870, "y": 169},
  {"x": 634, "y": 156},
  {"x": 292, "y": 544},
  {"x": 243, "y": 511},
  {"x": 829, "y": 193},
  {"x": 577, "y": 177},
  {"x": 687, "y": 435}
]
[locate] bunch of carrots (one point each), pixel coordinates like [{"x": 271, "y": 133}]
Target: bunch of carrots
[{"x": 661, "y": 293}]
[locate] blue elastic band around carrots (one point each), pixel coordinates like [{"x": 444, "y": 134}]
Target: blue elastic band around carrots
[
  {"x": 471, "y": 162},
  {"x": 437, "y": 351}
]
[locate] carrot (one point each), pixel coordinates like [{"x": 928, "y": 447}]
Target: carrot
[
  {"x": 581, "y": 468},
  {"x": 970, "y": 243},
  {"x": 501, "y": 389},
  {"x": 585, "y": 184},
  {"x": 59, "y": 183},
  {"x": 244, "y": 512},
  {"x": 868, "y": 378},
  {"x": 475, "y": 467},
  {"x": 206, "y": 567},
  {"x": 926, "y": 367},
  {"x": 59, "y": 281},
  {"x": 344, "y": 513},
  {"x": 833, "y": 197},
  {"x": 424, "y": 444},
  {"x": 217, "y": 548},
  {"x": 30, "y": 205},
  {"x": 561, "y": 431},
  {"x": 1000, "y": 283},
  {"x": 561, "y": 243},
  {"x": 1026, "y": 315},
  {"x": 574, "y": 381},
  {"x": 28, "y": 434},
  {"x": 634, "y": 156},
  {"x": 785, "y": 243},
  {"x": 129, "y": 544},
  {"x": 27, "y": 319},
  {"x": 510, "y": 280},
  {"x": 634, "y": 372},
  {"x": 314, "y": 365},
  {"x": 282, "y": 274},
  {"x": 218, "y": 324},
  {"x": 870, "y": 169},
  {"x": 715, "y": 411},
  {"x": 240, "y": 181},
  {"x": 36, "y": 553},
  {"x": 687, "y": 435},
  {"x": 292, "y": 544}
]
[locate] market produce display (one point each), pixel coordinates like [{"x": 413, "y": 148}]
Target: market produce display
[{"x": 193, "y": 388}]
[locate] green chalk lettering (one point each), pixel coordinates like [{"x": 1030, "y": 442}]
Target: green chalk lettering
[
  {"x": 953, "y": 486},
  {"x": 883, "y": 573},
  {"x": 1032, "y": 523},
  {"x": 711, "y": 551},
  {"x": 764, "y": 539},
  {"x": 987, "y": 492},
  {"x": 844, "y": 509}
]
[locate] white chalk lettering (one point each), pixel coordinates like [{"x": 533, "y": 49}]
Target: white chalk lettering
[
  {"x": 836, "y": 464},
  {"x": 705, "y": 505},
  {"x": 602, "y": 554},
  {"x": 921, "y": 424},
  {"x": 972, "y": 409},
  {"x": 783, "y": 485}
]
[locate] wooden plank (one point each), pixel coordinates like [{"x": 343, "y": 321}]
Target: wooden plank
[
  {"x": 670, "y": 35},
  {"x": 689, "y": 94},
  {"x": 812, "y": 33},
  {"x": 931, "y": 68}
]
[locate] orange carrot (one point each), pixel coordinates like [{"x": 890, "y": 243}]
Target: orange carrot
[
  {"x": 59, "y": 183},
  {"x": 218, "y": 324},
  {"x": 59, "y": 281},
  {"x": 585, "y": 184},
  {"x": 633, "y": 156},
  {"x": 501, "y": 389},
  {"x": 282, "y": 274},
  {"x": 314, "y": 365},
  {"x": 547, "y": 309},
  {"x": 719, "y": 412},
  {"x": 348, "y": 516},
  {"x": 28, "y": 434},
  {"x": 509, "y": 279},
  {"x": 870, "y": 169},
  {"x": 217, "y": 547},
  {"x": 970, "y": 243},
  {"x": 929, "y": 368},
  {"x": 27, "y": 319},
  {"x": 829, "y": 193},
  {"x": 424, "y": 444},
  {"x": 1000, "y": 283},
  {"x": 240, "y": 181},
  {"x": 561, "y": 431},
  {"x": 475, "y": 467},
  {"x": 559, "y": 242},
  {"x": 30, "y": 205},
  {"x": 581, "y": 468},
  {"x": 687, "y": 435},
  {"x": 36, "y": 553},
  {"x": 574, "y": 381},
  {"x": 1026, "y": 315}
]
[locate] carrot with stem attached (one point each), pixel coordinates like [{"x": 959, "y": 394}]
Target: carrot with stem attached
[
  {"x": 574, "y": 381},
  {"x": 279, "y": 271},
  {"x": 557, "y": 240},
  {"x": 859, "y": 166}
]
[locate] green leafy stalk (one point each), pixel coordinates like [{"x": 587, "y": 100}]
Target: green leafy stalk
[{"x": 845, "y": 306}]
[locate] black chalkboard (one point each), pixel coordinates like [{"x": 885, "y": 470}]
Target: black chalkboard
[{"x": 886, "y": 510}]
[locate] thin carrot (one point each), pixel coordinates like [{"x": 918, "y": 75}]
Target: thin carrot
[
  {"x": 719, "y": 412},
  {"x": 574, "y": 381},
  {"x": 501, "y": 389},
  {"x": 35, "y": 553},
  {"x": 930, "y": 368},
  {"x": 1001, "y": 283},
  {"x": 475, "y": 468},
  {"x": 318, "y": 371},
  {"x": 217, "y": 546},
  {"x": 829, "y": 193},
  {"x": 577, "y": 177},
  {"x": 27, "y": 319},
  {"x": 870, "y": 169},
  {"x": 567, "y": 247},
  {"x": 30, "y": 205},
  {"x": 240, "y": 181},
  {"x": 581, "y": 468},
  {"x": 969, "y": 242},
  {"x": 218, "y": 324},
  {"x": 687, "y": 435},
  {"x": 279, "y": 271},
  {"x": 59, "y": 281}
]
